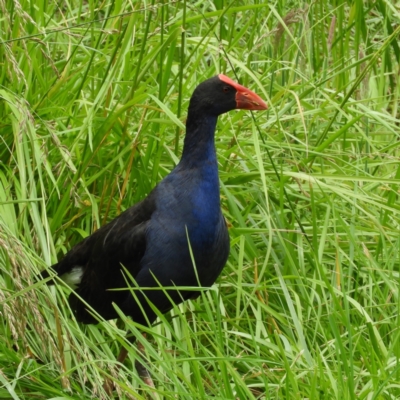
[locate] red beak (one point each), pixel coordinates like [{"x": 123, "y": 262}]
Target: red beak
[{"x": 245, "y": 98}]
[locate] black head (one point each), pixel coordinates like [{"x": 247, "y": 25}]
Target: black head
[{"x": 221, "y": 94}]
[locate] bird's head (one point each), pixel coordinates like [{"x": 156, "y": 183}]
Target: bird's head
[{"x": 221, "y": 94}]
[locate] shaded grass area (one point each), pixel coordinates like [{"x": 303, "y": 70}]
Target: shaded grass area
[{"x": 93, "y": 98}]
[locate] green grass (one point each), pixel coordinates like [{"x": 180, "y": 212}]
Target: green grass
[{"x": 93, "y": 99}]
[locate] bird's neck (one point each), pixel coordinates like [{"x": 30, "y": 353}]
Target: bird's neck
[
  {"x": 199, "y": 147},
  {"x": 199, "y": 163}
]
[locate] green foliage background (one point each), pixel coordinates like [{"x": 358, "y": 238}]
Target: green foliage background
[{"x": 93, "y": 98}]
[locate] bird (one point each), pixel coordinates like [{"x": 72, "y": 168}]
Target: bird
[{"x": 176, "y": 237}]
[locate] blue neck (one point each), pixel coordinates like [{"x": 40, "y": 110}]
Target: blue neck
[
  {"x": 199, "y": 147},
  {"x": 200, "y": 160}
]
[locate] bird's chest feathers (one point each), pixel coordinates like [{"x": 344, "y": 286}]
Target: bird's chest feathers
[
  {"x": 193, "y": 206},
  {"x": 205, "y": 202}
]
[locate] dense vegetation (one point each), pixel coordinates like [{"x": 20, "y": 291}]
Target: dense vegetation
[{"x": 93, "y": 97}]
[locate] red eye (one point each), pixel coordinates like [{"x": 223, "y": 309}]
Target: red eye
[{"x": 226, "y": 89}]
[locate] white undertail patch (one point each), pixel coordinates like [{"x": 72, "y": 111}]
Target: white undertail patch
[{"x": 73, "y": 278}]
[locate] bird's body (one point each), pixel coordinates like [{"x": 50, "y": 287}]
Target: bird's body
[{"x": 175, "y": 237}]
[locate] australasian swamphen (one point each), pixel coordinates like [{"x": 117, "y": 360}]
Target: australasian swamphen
[{"x": 153, "y": 240}]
